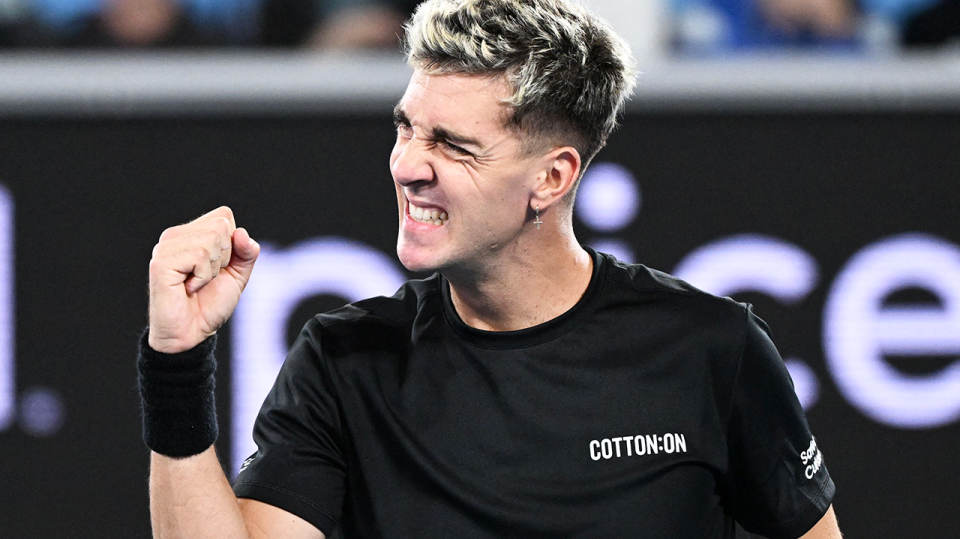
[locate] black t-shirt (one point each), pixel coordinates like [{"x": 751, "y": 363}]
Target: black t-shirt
[{"x": 650, "y": 409}]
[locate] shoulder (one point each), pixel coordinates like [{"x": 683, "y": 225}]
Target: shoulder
[
  {"x": 383, "y": 309},
  {"x": 379, "y": 318},
  {"x": 668, "y": 295},
  {"x": 672, "y": 308}
]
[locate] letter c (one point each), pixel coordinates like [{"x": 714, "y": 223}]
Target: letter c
[
  {"x": 595, "y": 450},
  {"x": 758, "y": 263}
]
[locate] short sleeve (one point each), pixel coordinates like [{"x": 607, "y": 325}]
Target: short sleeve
[
  {"x": 777, "y": 484},
  {"x": 299, "y": 465}
]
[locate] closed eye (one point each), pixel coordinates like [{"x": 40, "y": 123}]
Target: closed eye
[
  {"x": 456, "y": 149},
  {"x": 439, "y": 136},
  {"x": 404, "y": 130},
  {"x": 401, "y": 123}
]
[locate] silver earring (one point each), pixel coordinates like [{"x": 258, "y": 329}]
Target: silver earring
[{"x": 537, "y": 220}]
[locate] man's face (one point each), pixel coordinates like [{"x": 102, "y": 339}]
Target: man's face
[{"x": 463, "y": 185}]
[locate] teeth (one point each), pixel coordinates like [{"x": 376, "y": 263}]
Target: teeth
[{"x": 428, "y": 216}]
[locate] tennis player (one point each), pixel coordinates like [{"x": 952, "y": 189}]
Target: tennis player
[{"x": 532, "y": 387}]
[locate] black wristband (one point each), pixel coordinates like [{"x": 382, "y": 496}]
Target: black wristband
[{"x": 177, "y": 398}]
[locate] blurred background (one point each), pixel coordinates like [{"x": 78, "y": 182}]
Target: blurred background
[
  {"x": 657, "y": 27},
  {"x": 801, "y": 155}
]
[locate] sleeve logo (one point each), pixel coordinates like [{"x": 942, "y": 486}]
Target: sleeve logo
[
  {"x": 247, "y": 462},
  {"x": 812, "y": 458}
]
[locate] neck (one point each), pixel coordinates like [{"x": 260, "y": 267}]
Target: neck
[{"x": 529, "y": 283}]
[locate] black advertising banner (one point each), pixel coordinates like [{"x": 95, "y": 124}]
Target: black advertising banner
[{"x": 839, "y": 227}]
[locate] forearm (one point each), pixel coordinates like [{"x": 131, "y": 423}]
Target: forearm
[
  {"x": 190, "y": 498},
  {"x": 826, "y": 528}
]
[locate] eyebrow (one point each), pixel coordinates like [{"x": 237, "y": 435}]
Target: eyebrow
[{"x": 438, "y": 132}]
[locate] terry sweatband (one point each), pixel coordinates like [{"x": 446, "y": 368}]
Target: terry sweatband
[{"x": 177, "y": 398}]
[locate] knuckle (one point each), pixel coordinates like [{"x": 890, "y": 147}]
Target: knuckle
[
  {"x": 226, "y": 212},
  {"x": 225, "y": 226},
  {"x": 200, "y": 253},
  {"x": 169, "y": 233},
  {"x": 212, "y": 236}
]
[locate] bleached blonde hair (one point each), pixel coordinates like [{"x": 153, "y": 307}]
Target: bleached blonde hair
[{"x": 569, "y": 72}]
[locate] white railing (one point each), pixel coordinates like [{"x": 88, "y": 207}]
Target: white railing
[{"x": 133, "y": 84}]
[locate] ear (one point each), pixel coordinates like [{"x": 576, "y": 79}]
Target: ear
[{"x": 559, "y": 174}]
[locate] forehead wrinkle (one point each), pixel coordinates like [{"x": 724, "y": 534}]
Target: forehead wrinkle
[
  {"x": 424, "y": 83},
  {"x": 439, "y": 132}
]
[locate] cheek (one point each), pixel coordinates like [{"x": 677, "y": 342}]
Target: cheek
[
  {"x": 503, "y": 209},
  {"x": 513, "y": 200}
]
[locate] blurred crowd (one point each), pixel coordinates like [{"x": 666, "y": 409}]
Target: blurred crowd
[
  {"x": 721, "y": 26},
  {"x": 141, "y": 24},
  {"x": 686, "y": 27}
]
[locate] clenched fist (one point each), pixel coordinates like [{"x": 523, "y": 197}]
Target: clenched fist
[{"x": 197, "y": 273}]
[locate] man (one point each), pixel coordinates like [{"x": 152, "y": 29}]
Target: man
[{"x": 531, "y": 388}]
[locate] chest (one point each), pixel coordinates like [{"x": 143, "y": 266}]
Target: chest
[{"x": 522, "y": 437}]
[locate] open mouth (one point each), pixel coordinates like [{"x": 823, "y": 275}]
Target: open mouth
[{"x": 426, "y": 215}]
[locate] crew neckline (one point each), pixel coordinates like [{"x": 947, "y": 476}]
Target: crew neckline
[{"x": 534, "y": 335}]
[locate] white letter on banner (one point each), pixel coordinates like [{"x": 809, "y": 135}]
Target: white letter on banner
[
  {"x": 282, "y": 279},
  {"x": 858, "y": 330},
  {"x": 753, "y": 262}
]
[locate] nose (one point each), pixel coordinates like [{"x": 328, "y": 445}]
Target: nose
[{"x": 411, "y": 162}]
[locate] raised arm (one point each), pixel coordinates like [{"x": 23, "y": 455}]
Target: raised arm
[{"x": 197, "y": 274}]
